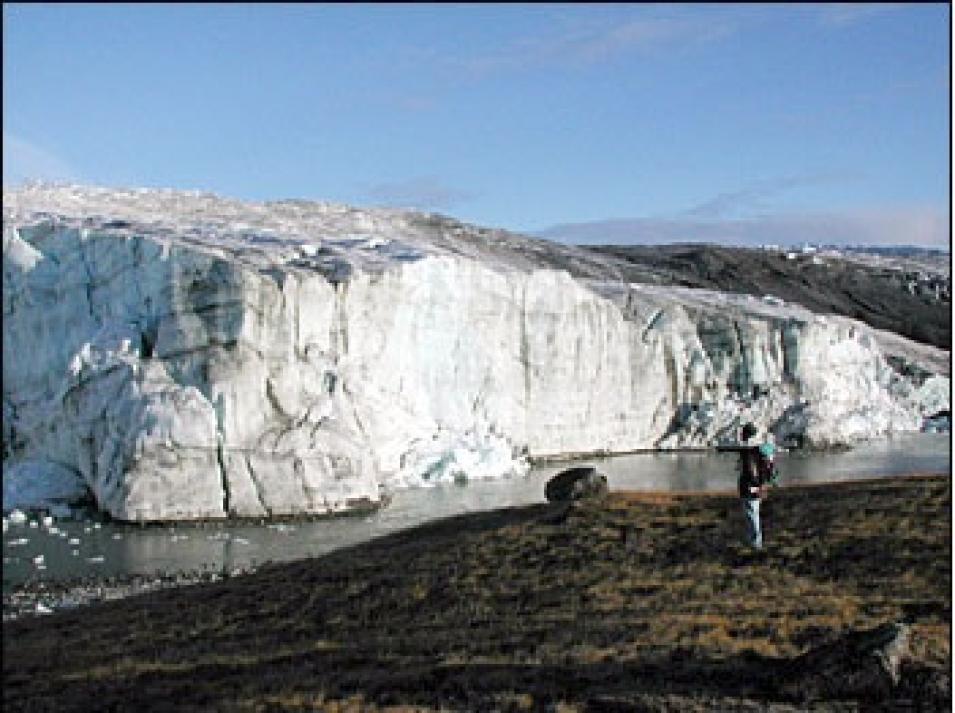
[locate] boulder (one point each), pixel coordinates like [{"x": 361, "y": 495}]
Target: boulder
[
  {"x": 580, "y": 483},
  {"x": 858, "y": 665}
]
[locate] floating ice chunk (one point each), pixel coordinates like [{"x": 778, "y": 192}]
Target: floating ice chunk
[
  {"x": 6, "y": 525},
  {"x": 74, "y": 541},
  {"x": 47, "y": 521},
  {"x": 38, "y": 560},
  {"x": 42, "y": 609},
  {"x": 117, "y": 536},
  {"x": 98, "y": 559},
  {"x": 18, "y": 542},
  {"x": 33, "y": 524},
  {"x": 17, "y": 517},
  {"x": 76, "y": 553}
]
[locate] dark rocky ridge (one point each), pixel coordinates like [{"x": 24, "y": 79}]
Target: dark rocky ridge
[{"x": 913, "y": 303}]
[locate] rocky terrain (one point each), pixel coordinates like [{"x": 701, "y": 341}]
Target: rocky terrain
[
  {"x": 184, "y": 356},
  {"x": 897, "y": 292},
  {"x": 38, "y": 598},
  {"x": 637, "y": 602}
]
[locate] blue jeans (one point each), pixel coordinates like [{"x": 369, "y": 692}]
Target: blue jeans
[{"x": 753, "y": 532}]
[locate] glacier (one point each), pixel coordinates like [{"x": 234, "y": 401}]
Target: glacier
[{"x": 187, "y": 356}]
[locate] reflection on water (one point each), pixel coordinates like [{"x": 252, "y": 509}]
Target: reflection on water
[{"x": 75, "y": 549}]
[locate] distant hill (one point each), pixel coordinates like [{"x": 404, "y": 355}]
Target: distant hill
[
  {"x": 900, "y": 250},
  {"x": 903, "y": 290}
]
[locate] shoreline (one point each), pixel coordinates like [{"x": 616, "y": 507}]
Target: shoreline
[
  {"x": 575, "y": 457},
  {"x": 42, "y": 597}
]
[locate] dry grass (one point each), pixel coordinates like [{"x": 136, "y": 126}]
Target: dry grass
[{"x": 525, "y": 609}]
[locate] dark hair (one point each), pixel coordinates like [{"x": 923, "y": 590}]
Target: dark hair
[{"x": 749, "y": 430}]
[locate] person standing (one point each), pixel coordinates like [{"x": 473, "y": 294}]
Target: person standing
[{"x": 752, "y": 479}]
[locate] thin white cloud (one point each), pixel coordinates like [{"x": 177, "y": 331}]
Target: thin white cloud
[
  {"x": 423, "y": 192},
  {"x": 846, "y": 14},
  {"x": 756, "y": 195},
  {"x": 583, "y": 44},
  {"x": 645, "y": 35},
  {"x": 922, "y": 226},
  {"x": 26, "y": 161},
  {"x": 564, "y": 41}
]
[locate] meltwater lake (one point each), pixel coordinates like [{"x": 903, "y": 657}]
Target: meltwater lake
[{"x": 73, "y": 549}]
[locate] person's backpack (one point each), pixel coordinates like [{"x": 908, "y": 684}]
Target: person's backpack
[{"x": 765, "y": 462}]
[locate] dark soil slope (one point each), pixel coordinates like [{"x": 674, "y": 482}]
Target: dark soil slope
[
  {"x": 639, "y": 602},
  {"x": 891, "y": 299}
]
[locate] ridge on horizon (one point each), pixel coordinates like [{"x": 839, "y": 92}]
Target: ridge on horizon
[{"x": 594, "y": 233}]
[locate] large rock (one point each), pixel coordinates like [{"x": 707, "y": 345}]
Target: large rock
[
  {"x": 860, "y": 664},
  {"x": 193, "y": 357},
  {"x": 573, "y": 484}
]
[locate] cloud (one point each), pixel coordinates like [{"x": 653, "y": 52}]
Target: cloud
[
  {"x": 584, "y": 44},
  {"x": 424, "y": 192},
  {"x": 642, "y": 35},
  {"x": 26, "y": 161},
  {"x": 756, "y": 195},
  {"x": 922, "y": 226},
  {"x": 847, "y": 14}
]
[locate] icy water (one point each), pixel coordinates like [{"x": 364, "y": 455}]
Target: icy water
[{"x": 72, "y": 549}]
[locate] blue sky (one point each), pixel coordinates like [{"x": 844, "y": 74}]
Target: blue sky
[{"x": 588, "y": 123}]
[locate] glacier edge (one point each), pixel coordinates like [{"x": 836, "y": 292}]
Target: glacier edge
[{"x": 185, "y": 371}]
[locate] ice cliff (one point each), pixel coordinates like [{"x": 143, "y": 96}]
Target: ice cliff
[{"x": 188, "y": 356}]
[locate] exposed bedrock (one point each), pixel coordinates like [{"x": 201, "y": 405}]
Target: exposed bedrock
[{"x": 198, "y": 379}]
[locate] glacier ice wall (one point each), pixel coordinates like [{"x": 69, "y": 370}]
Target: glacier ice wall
[{"x": 191, "y": 357}]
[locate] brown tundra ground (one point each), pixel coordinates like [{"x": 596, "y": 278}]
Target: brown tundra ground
[{"x": 638, "y": 602}]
